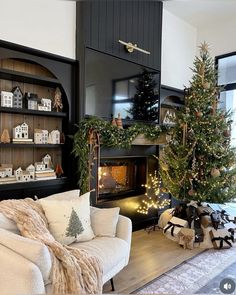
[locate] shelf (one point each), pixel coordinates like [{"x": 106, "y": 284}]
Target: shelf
[
  {"x": 32, "y": 112},
  {"x": 28, "y": 78},
  {"x": 32, "y": 184},
  {"x": 29, "y": 145}
]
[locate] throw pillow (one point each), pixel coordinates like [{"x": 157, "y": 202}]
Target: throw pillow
[
  {"x": 69, "y": 220},
  {"x": 69, "y": 195},
  {"x": 104, "y": 221}
]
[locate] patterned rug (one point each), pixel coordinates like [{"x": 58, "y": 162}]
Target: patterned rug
[{"x": 199, "y": 275}]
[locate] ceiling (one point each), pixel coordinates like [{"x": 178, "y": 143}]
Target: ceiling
[{"x": 202, "y": 12}]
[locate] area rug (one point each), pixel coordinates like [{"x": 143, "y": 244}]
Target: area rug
[{"x": 195, "y": 274}]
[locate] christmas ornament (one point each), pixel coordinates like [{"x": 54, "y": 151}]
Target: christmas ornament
[
  {"x": 164, "y": 167},
  {"x": 199, "y": 114},
  {"x": 223, "y": 169},
  {"x": 191, "y": 192},
  {"x": 206, "y": 85},
  {"x": 215, "y": 172},
  {"x": 226, "y": 133}
]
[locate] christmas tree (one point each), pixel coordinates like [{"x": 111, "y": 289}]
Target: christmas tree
[
  {"x": 75, "y": 226},
  {"x": 198, "y": 162},
  {"x": 145, "y": 101}
]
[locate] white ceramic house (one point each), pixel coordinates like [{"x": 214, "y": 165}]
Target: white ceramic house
[
  {"x": 25, "y": 176},
  {"x": 21, "y": 131},
  {"x": 31, "y": 170},
  {"x": 8, "y": 169},
  {"x": 18, "y": 173},
  {"x": 2, "y": 172},
  {"x": 55, "y": 137},
  {"x": 44, "y": 136},
  {"x": 46, "y": 102},
  {"x": 47, "y": 161},
  {"x": 17, "y": 97},
  {"x": 39, "y": 166},
  {"x": 40, "y": 136},
  {"x": 42, "y": 108},
  {"x": 6, "y": 99}
]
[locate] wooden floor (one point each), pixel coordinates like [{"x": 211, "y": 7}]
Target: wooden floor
[{"x": 151, "y": 255}]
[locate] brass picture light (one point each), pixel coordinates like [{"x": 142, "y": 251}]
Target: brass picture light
[{"x": 131, "y": 47}]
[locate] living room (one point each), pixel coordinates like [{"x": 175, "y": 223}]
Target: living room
[{"x": 96, "y": 98}]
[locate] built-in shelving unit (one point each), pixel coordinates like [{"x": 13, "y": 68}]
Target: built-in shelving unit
[{"x": 40, "y": 73}]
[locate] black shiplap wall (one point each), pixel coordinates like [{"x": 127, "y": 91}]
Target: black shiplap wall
[{"x": 103, "y": 22}]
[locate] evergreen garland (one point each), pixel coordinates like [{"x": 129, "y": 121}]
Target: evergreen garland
[{"x": 110, "y": 136}]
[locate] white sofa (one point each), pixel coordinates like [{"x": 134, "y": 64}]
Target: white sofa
[{"x": 25, "y": 264}]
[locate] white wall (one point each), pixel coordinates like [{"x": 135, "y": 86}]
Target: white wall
[
  {"x": 178, "y": 51},
  {"x": 47, "y": 25},
  {"x": 219, "y": 35}
]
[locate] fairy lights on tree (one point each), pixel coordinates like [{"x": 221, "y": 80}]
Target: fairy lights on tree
[{"x": 154, "y": 196}]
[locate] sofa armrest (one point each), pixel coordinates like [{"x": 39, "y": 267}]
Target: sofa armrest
[
  {"x": 31, "y": 250},
  {"x": 18, "y": 275},
  {"x": 124, "y": 229}
]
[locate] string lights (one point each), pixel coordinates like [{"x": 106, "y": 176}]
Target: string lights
[{"x": 154, "y": 196}]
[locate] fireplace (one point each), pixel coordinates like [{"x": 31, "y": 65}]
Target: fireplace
[{"x": 121, "y": 177}]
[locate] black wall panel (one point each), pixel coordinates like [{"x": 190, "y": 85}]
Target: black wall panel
[{"x": 103, "y": 23}]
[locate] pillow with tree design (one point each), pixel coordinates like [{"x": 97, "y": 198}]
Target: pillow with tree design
[{"x": 69, "y": 220}]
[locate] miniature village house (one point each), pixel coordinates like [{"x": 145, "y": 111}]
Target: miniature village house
[
  {"x": 2, "y": 172},
  {"x": 25, "y": 176},
  {"x": 47, "y": 103},
  {"x": 8, "y": 169},
  {"x": 17, "y": 97},
  {"x": 6, "y": 99},
  {"x": 47, "y": 161},
  {"x": 40, "y": 136},
  {"x": 21, "y": 131},
  {"x": 32, "y": 101},
  {"x": 31, "y": 170},
  {"x": 55, "y": 137},
  {"x": 39, "y": 166},
  {"x": 18, "y": 173}
]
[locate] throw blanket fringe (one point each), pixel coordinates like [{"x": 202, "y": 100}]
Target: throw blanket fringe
[{"x": 74, "y": 270}]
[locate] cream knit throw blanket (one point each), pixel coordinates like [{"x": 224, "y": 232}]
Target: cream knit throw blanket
[{"x": 74, "y": 270}]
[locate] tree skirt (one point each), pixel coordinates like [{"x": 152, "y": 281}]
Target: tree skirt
[{"x": 191, "y": 275}]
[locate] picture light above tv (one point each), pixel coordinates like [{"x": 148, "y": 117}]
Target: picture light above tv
[{"x": 115, "y": 86}]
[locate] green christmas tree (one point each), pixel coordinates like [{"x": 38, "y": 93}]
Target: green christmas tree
[
  {"x": 198, "y": 162},
  {"x": 145, "y": 101},
  {"x": 75, "y": 226}
]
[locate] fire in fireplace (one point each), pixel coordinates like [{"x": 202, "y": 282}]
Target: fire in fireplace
[{"x": 121, "y": 177}]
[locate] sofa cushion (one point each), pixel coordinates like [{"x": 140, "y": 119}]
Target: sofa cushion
[
  {"x": 69, "y": 220},
  {"x": 111, "y": 251},
  {"x": 32, "y": 250},
  {"x": 68, "y": 195},
  {"x": 104, "y": 221},
  {"x": 8, "y": 224}
]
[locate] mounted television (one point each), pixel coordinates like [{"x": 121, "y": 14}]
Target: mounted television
[{"x": 114, "y": 86}]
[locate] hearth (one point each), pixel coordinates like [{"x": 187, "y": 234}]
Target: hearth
[{"x": 121, "y": 177}]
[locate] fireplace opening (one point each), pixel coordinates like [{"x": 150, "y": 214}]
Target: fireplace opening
[{"x": 121, "y": 177}]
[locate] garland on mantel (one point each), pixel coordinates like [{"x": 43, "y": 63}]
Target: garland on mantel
[{"x": 110, "y": 136}]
